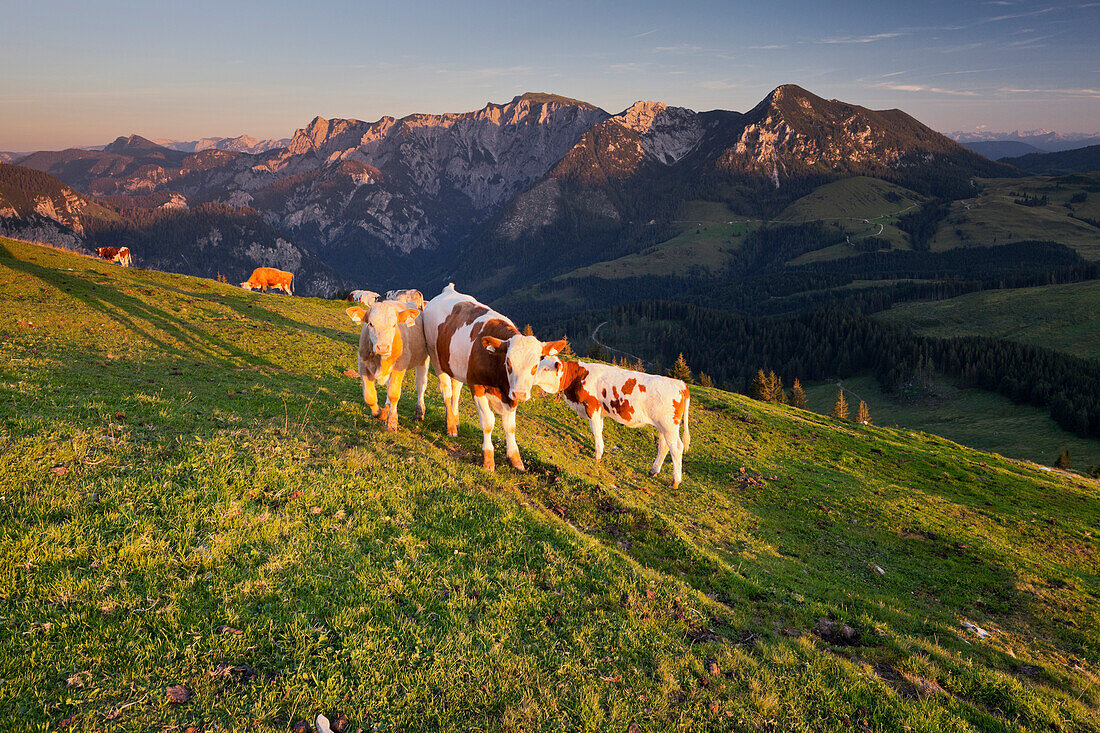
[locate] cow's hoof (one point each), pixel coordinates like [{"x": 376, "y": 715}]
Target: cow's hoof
[
  {"x": 675, "y": 485},
  {"x": 385, "y": 413},
  {"x": 419, "y": 414},
  {"x": 517, "y": 463},
  {"x": 651, "y": 472},
  {"x": 374, "y": 412},
  {"x": 487, "y": 460},
  {"x": 391, "y": 423}
]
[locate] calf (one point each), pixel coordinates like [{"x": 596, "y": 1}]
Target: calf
[
  {"x": 471, "y": 344},
  {"x": 390, "y": 343},
  {"x": 634, "y": 399},
  {"x": 407, "y": 296},
  {"x": 366, "y": 297},
  {"x": 269, "y": 277},
  {"x": 120, "y": 255}
]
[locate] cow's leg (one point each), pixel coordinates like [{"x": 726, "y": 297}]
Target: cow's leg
[
  {"x": 447, "y": 387},
  {"x": 370, "y": 396},
  {"x": 596, "y": 423},
  {"x": 488, "y": 421},
  {"x": 456, "y": 393},
  {"x": 676, "y": 444},
  {"x": 393, "y": 396},
  {"x": 662, "y": 451},
  {"x": 508, "y": 422},
  {"x": 421, "y": 387}
]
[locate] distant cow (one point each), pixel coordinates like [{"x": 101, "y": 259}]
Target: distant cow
[
  {"x": 269, "y": 277},
  {"x": 471, "y": 344},
  {"x": 390, "y": 343},
  {"x": 634, "y": 399},
  {"x": 407, "y": 296},
  {"x": 121, "y": 255},
  {"x": 366, "y": 297}
]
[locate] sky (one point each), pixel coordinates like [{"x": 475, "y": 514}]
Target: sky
[{"x": 83, "y": 73}]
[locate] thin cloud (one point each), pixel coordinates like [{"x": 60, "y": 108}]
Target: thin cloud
[
  {"x": 769, "y": 47},
  {"x": 679, "y": 48},
  {"x": 1029, "y": 14},
  {"x": 1073, "y": 93},
  {"x": 644, "y": 34},
  {"x": 860, "y": 39},
  {"x": 925, "y": 89},
  {"x": 893, "y": 73}
]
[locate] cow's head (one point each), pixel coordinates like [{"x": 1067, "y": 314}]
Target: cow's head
[
  {"x": 381, "y": 323},
  {"x": 247, "y": 285},
  {"x": 528, "y": 363}
]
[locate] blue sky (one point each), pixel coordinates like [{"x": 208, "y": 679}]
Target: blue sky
[{"x": 77, "y": 73}]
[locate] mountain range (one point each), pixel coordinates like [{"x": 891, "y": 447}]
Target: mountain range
[{"x": 501, "y": 196}]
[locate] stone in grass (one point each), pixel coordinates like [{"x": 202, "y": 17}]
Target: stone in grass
[
  {"x": 634, "y": 728},
  {"x": 836, "y": 633},
  {"x": 712, "y": 667},
  {"x": 339, "y": 723},
  {"x": 178, "y": 694},
  {"x": 302, "y": 726}
]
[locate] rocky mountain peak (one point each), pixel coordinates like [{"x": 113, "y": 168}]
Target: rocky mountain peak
[
  {"x": 133, "y": 144},
  {"x": 667, "y": 133}
]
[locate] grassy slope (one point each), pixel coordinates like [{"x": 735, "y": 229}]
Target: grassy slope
[
  {"x": 859, "y": 205},
  {"x": 1060, "y": 317},
  {"x": 974, "y": 417},
  {"x": 219, "y": 469},
  {"x": 993, "y": 218}
]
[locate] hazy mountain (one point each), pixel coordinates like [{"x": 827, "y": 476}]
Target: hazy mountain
[
  {"x": 999, "y": 149},
  {"x": 1043, "y": 140},
  {"x": 1081, "y": 160},
  {"x": 239, "y": 144}
]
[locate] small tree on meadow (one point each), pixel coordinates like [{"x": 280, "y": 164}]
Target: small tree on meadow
[
  {"x": 705, "y": 380},
  {"x": 759, "y": 388},
  {"x": 528, "y": 331},
  {"x": 597, "y": 352},
  {"x": 840, "y": 407},
  {"x": 863, "y": 414},
  {"x": 681, "y": 370},
  {"x": 638, "y": 366},
  {"x": 798, "y": 396},
  {"x": 1063, "y": 461},
  {"x": 774, "y": 390},
  {"x": 567, "y": 351}
]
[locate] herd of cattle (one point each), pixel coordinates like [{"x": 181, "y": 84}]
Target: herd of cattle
[{"x": 468, "y": 343}]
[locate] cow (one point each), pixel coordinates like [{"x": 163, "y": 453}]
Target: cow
[
  {"x": 365, "y": 297},
  {"x": 269, "y": 277},
  {"x": 390, "y": 343},
  {"x": 120, "y": 255},
  {"x": 407, "y": 296},
  {"x": 471, "y": 344},
  {"x": 634, "y": 399}
]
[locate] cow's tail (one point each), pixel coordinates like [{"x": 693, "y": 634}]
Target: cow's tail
[
  {"x": 292, "y": 284},
  {"x": 687, "y": 432}
]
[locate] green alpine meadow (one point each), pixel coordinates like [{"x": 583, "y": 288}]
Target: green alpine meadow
[{"x": 203, "y": 528}]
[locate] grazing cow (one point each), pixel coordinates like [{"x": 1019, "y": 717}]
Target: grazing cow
[
  {"x": 366, "y": 297},
  {"x": 269, "y": 277},
  {"x": 471, "y": 344},
  {"x": 634, "y": 399},
  {"x": 407, "y": 296},
  {"x": 121, "y": 255},
  {"x": 391, "y": 342}
]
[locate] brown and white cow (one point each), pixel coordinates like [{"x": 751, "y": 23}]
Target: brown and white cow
[
  {"x": 407, "y": 296},
  {"x": 390, "y": 343},
  {"x": 120, "y": 255},
  {"x": 366, "y": 298},
  {"x": 635, "y": 399},
  {"x": 268, "y": 277},
  {"x": 471, "y": 344}
]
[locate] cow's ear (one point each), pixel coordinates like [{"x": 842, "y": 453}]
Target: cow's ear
[
  {"x": 356, "y": 313},
  {"x": 490, "y": 343},
  {"x": 408, "y": 315},
  {"x": 551, "y": 349}
]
